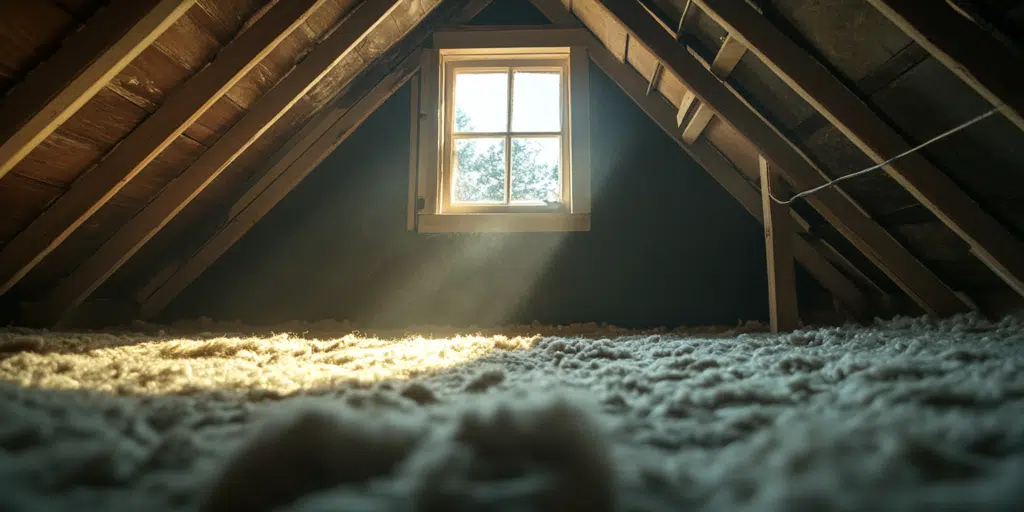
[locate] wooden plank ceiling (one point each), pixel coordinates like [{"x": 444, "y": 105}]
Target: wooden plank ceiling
[{"x": 199, "y": 132}]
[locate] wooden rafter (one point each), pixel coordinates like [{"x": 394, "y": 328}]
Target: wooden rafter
[
  {"x": 86, "y": 61},
  {"x": 934, "y": 296},
  {"x": 726, "y": 60},
  {"x": 731, "y": 179},
  {"x": 783, "y": 312},
  {"x": 185, "y": 105},
  {"x": 305, "y": 154},
  {"x": 991, "y": 68},
  {"x": 299, "y": 155},
  {"x": 989, "y": 241},
  {"x": 173, "y": 198}
]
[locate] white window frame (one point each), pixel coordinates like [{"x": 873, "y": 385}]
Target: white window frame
[{"x": 431, "y": 207}]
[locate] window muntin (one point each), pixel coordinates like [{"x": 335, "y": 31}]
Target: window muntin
[{"x": 505, "y": 134}]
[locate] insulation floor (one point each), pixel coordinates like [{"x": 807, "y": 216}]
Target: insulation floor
[{"x": 907, "y": 414}]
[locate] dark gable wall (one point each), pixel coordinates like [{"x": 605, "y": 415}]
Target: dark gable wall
[{"x": 667, "y": 247}]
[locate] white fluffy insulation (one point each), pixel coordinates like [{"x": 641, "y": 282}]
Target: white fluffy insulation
[{"x": 909, "y": 414}]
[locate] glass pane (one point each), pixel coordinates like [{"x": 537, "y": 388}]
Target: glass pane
[
  {"x": 536, "y": 102},
  {"x": 481, "y": 102},
  {"x": 535, "y": 169},
  {"x": 479, "y": 171}
]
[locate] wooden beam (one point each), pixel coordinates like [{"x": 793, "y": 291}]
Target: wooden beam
[
  {"x": 85, "y": 63},
  {"x": 176, "y": 195},
  {"x": 305, "y": 156},
  {"x": 312, "y": 130},
  {"x": 992, "y": 69},
  {"x": 783, "y": 312},
  {"x": 726, "y": 60},
  {"x": 731, "y": 179},
  {"x": 879, "y": 246},
  {"x": 185, "y": 105},
  {"x": 991, "y": 242},
  {"x": 414, "y": 142}
]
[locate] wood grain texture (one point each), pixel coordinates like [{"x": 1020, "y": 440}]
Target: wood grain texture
[
  {"x": 184, "y": 106},
  {"x": 71, "y": 77},
  {"x": 107, "y": 259}
]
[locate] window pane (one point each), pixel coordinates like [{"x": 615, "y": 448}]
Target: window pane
[
  {"x": 536, "y": 102},
  {"x": 479, "y": 171},
  {"x": 481, "y": 102},
  {"x": 535, "y": 169}
]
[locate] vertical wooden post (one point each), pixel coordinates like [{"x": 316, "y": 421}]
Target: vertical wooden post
[{"x": 778, "y": 237}]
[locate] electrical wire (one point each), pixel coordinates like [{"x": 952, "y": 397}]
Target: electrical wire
[{"x": 914, "y": 149}]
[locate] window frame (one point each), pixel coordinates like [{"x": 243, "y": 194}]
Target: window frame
[
  {"x": 430, "y": 208},
  {"x": 452, "y": 63}
]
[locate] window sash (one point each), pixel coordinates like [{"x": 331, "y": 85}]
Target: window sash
[{"x": 508, "y": 65}]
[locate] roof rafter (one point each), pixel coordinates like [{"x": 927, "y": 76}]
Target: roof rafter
[
  {"x": 73, "y": 290},
  {"x": 726, "y": 60},
  {"x": 303, "y": 156},
  {"x": 302, "y": 153},
  {"x": 934, "y": 296},
  {"x": 185, "y": 105},
  {"x": 731, "y": 179},
  {"x": 86, "y": 61},
  {"x": 991, "y": 68},
  {"x": 989, "y": 240}
]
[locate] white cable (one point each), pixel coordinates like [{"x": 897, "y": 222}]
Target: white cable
[{"x": 887, "y": 162}]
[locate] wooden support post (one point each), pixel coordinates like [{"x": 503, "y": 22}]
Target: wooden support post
[
  {"x": 934, "y": 296},
  {"x": 726, "y": 60},
  {"x": 73, "y": 290},
  {"x": 778, "y": 237},
  {"x": 992, "y": 69},
  {"x": 731, "y": 179},
  {"x": 307, "y": 154},
  {"x": 991, "y": 242},
  {"x": 85, "y": 63},
  {"x": 185, "y": 105}
]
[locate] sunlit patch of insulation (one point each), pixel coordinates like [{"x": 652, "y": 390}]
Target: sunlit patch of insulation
[{"x": 280, "y": 365}]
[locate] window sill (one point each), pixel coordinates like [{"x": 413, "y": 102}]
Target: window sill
[{"x": 503, "y": 222}]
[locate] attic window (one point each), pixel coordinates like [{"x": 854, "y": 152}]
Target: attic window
[{"x": 503, "y": 135}]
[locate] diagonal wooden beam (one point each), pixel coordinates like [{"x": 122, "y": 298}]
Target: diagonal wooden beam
[
  {"x": 992, "y": 69},
  {"x": 659, "y": 110},
  {"x": 86, "y": 61},
  {"x": 305, "y": 154},
  {"x": 989, "y": 240},
  {"x": 878, "y": 245},
  {"x": 726, "y": 60},
  {"x": 175, "y": 277},
  {"x": 185, "y": 104},
  {"x": 73, "y": 290}
]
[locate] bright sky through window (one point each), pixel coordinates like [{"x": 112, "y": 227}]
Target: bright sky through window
[{"x": 499, "y": 160}]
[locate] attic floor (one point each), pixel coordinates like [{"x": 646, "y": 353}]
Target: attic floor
[{"x": 908, "y": 414}]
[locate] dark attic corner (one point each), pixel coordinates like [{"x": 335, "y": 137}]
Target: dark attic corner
[{"x": 594, "y": 255}]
